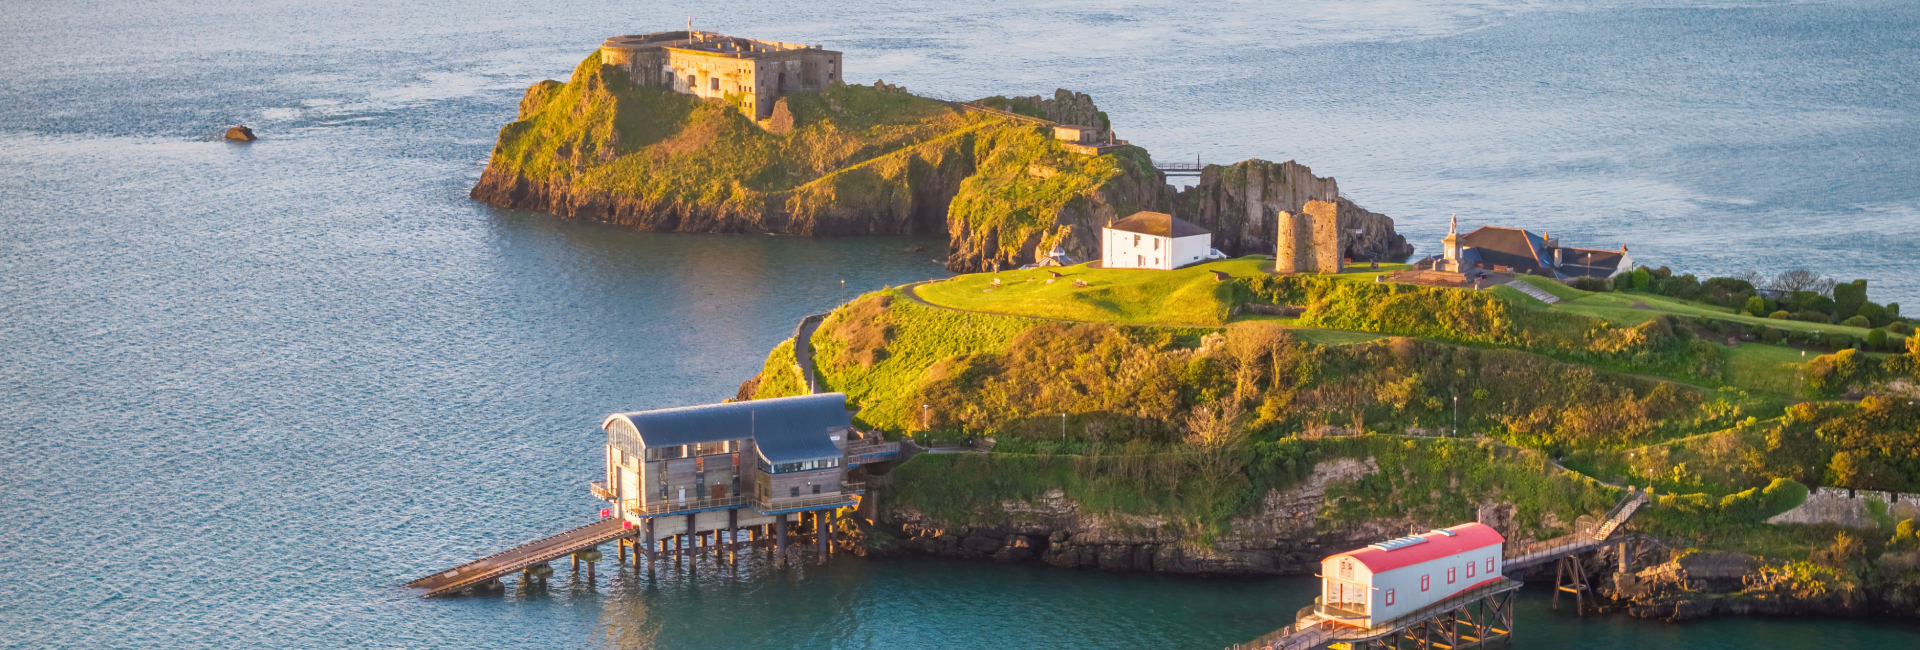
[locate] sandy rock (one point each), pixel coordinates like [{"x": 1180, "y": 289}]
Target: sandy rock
[{"x": 241, "y": 134}]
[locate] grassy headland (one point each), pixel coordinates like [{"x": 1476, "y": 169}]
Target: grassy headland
[{"x": 1175, "y": 407}]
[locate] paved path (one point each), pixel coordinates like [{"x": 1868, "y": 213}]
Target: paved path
[
  {"x": 1537, "y": 293},
  {"x": 803, "y": 351}
]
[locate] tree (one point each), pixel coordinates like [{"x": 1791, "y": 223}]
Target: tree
[
  {"x": 1757, "y": 306},
  {"x": 1874, "y": 314},
  {"x": 1217, "y": 435},
  {"x": 1642, "y": 278},
  {"x": 1795, "y": 280},
  {"x": 1876, "y": 339}
]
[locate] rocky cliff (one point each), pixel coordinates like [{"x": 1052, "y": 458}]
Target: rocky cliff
[
  {"x": 1286, "y": 536},
  {"x": 867, "y": 160},
  {"x": 1682, "y": 585},
  {"x": 1241, "y": 204}
]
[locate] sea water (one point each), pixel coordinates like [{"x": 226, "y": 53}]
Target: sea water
[{"x": 251, "y": 389}]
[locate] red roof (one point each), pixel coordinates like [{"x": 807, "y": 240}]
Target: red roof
[{"x": 1466, "y": 537}]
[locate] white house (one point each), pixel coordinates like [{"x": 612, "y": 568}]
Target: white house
[
  {"x": 1386, "y": 580},
  {"x": 1153, "y": 240}
]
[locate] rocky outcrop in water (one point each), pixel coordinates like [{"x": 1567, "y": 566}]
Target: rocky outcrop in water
[
  {"x": 240, "y": 134},
  {"x": 1241, "y": 204}
]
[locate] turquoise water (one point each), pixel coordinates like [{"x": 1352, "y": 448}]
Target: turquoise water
[{"x": 250, "y": 389}]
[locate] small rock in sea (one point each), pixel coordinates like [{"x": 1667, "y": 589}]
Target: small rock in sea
[
  {"x": 241, "y": 133},
  {"x": 917, "y": 249}
]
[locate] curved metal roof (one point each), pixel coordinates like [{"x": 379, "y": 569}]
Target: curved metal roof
[{"x": 784, "y": 429}]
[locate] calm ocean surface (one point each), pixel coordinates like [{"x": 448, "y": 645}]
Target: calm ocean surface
[{"x": 250, "y": 389}]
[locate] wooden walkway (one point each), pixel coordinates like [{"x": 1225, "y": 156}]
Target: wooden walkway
[{"x": 522, "y": 556}]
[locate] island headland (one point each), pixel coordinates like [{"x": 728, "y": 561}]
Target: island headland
[
  {"x": 1251, "y": 413},
  {"x": 702, "y": 132}
]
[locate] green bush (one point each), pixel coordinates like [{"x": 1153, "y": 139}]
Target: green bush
[
  {"x": 1875, "y": 314},
  {"x": 1877, "y": 340},
  {"x": 1597, "y": 285},
  {"x": 1756, "y": 306},
  {"x": 1642, "y": 278},
  {"x": 1900, "y": 327},
  {"x": 1780, "y": 315},
  {"x": 1848, "y": 297},
  {"x": 1773, "y": 335},
  {"x": 1836, "y": 341},
  {"x": 1857, "y": 321},
  {"x": 1811, "y": 316}
]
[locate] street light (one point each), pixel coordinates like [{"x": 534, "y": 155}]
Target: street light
[
  {"x": 1063, "y": 428},
  {"x": 1456, "y": 416}
]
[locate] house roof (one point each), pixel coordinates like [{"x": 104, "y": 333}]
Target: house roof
[
  {"x": 1590, "y": 262},
  {"x": 1465, "y": 537},
  {"x": 1158, "y": 224},
  {"x": 784, "y": 430},
  {"x": 1510, "y": 247}
]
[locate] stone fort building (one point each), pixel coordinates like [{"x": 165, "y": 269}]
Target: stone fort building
[{"x": 753, "y": 75}]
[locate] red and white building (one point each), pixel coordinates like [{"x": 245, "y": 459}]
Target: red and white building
[{"x": 1383, "y": 581}]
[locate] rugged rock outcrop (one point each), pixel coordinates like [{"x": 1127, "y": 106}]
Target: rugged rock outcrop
[
  {"x": 241, "y": 134},
  {"x": 976, "y": 245},
  {"x": 1241, "y": 204},
  {"x": 1285, "y": 537},
  {"x": 855, "y": 160}
]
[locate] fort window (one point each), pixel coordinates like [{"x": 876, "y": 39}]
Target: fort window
[{"x": 715, "y": 83}]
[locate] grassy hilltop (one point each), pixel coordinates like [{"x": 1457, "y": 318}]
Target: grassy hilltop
[
  {"x": 849, "y": 159},
  {"x": 1178, "y": 404}
]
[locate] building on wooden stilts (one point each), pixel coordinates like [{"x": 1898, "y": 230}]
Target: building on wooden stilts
[{"x": 682, "y": 474}]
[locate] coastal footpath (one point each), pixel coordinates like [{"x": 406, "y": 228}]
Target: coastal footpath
[{"x": 874, "y": 159}]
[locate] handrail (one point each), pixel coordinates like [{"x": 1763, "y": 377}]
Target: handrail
[
  {"x": 600, "y": 489},
  {"x": 635, "y": 508},
  {"x": 847, "y": 491}
]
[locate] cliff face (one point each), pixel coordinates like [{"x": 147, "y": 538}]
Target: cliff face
[
  {"x": 1682, "y": 586},
  {"x": 855, "y": 160},
  {"x": 1286, "y": 536},
  {"x": 1241, "y": 204},
  {"x": 1019, "y": 206}
]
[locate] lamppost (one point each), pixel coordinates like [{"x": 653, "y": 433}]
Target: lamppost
[
  {"x": 924, "y": 414},
  {"x": 1456, "y": 416},
  {"x": 1063, "y": 428}
]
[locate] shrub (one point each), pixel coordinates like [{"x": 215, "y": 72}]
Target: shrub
[
  {"x": 1857, "y": 321},
  {"x": 1874, "y": 314},
  {"x": 1900, "y": 327},
  {"x": 1662, "y": 273},
  {"x": 1848, "y": 297},
  {"x": 1876, "y": 339},
  {"x": 1812, "y": 316},
  {"x": 1780, "y": 315},
  {"x": 1684, "y": 287},
  {"x": 1773, "y": 335},
  {"x": 1597, "y": 285},
  {"x": 1837, "y": 341},
  {"x": 1756, "y": 305},
  {"x": 1642, "y": 278}
]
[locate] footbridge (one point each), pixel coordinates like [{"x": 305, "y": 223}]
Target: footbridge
[
  {"x": 531, "y": 555},
  {"x": 1474, "y": 618}
]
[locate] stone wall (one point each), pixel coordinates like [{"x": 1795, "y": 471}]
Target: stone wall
[{"x": 1848, "y": 508}]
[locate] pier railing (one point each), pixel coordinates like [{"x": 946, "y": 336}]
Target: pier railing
[
  {"x": 601, "y": 491},
  {"x": 847, "y": 490},
  {"x": 638, "y": 509}
]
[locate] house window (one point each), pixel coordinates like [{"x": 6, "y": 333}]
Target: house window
[
  {"x": 1489, "y": 565},
  {"x": 1139, "y": 260},
  {"x": 816, "y": 489},
  {"x": 1136, "y": 241},
  {"x": 1450, "y": 574},
  {"x": 1389, "y": 597},
  {"x": 1470, "y": 568},
  {"x": 1425, "y": 581},
  {"x": 1156, "y": 243},
  {"x": 1346, "y": 569},
  {"x": 795, "y": 491}
]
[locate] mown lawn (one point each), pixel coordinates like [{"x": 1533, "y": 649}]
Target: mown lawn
[{"x": 1187, "y": 296}]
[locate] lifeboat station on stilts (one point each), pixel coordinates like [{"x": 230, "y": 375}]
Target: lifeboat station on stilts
[{"x": 771, "y": 474}]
